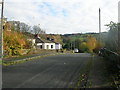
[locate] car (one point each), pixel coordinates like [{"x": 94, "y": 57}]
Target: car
[{"x": 76, "y": 50}]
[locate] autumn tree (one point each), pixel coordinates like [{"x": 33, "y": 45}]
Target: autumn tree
[
  {"x": 57, "y": 38},
  {"x": 91, "y": 43},
  {"x": 7, "y": 26},
  {"x": 83, "y": 47},
  {"x": 13, "y": 43}
]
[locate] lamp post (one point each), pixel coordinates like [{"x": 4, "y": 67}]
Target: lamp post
[{"x": 1, "y": 31}]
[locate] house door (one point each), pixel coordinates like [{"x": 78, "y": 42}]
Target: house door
[
  {"x": 40, "y": 46},
  {"x": 47, "y": 46}
]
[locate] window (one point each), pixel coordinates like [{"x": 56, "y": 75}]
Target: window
[
  {"x": 40, "y": 46},
  {"x": 51, "y": 46}
]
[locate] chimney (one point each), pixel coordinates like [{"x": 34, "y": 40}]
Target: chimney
[{"x": 37, "y": 36}]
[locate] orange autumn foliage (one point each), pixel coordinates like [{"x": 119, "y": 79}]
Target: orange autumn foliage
[
  {"x": 91, "y": 43},
  {"x": 13, "y": 43}
]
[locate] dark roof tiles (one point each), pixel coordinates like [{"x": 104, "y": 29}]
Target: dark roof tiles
[{"x": 39, "y": 40}]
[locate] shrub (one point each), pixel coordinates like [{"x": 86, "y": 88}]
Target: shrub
[{"x": 13, "y": 43}]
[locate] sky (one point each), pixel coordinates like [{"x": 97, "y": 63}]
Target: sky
[{"x": 63, "y": 16}]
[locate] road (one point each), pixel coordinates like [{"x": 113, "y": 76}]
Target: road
[{"x": 58, "y": 71}]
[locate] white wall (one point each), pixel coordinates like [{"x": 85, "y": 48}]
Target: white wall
[
  {"x": 58, "y": 46},
  {"x": 49, "y": 46},
  {"x": 55, "y": 46},
  {"x": 38, "y": 44}
]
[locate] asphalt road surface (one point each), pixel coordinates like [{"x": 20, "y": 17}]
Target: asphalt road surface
[{"x": 58, "y": 71}]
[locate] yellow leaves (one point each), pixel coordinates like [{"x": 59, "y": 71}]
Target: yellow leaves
[
  {"x": 100, "y": 45},
  {"x": 83, "y": 47},
  {"x": 91, "y": 43},
  {"x": 13, "y": 42},
  {"x": 84, "y": 43}
]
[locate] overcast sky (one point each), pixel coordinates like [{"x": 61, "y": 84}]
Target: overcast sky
[{"x": 63, "y": 16}]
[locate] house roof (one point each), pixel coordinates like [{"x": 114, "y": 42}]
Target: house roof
[
  {"x": 56, "y": 42},
  {"x": 39, "y": 40}
]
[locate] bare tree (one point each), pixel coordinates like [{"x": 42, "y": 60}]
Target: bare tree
[
  {"x": 38, "y": 30},
  {"x": 24, "y": 27}
]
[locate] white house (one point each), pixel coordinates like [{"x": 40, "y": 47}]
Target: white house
[{"x": 49, "y": 44}]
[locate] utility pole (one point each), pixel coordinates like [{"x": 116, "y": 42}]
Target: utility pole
[
  {"x": 1, "y": 31},
  {"x": 99, "y": 25},
  {"x": 1, "y": 42},
  {"x": 119, "y": 25}
]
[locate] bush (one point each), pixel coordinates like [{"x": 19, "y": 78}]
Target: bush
[
  {"x": 83, "y": 47},
  {"x": 13, "y": 43}
]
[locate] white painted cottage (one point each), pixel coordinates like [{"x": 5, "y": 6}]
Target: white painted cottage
[{"x": 46, "y": 44}]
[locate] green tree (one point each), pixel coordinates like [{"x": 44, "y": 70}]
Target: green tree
[
  {"x": 83, "y": 47},
  {"x": 77, "y": 43},
  {"x": 112, "y": 37}
]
